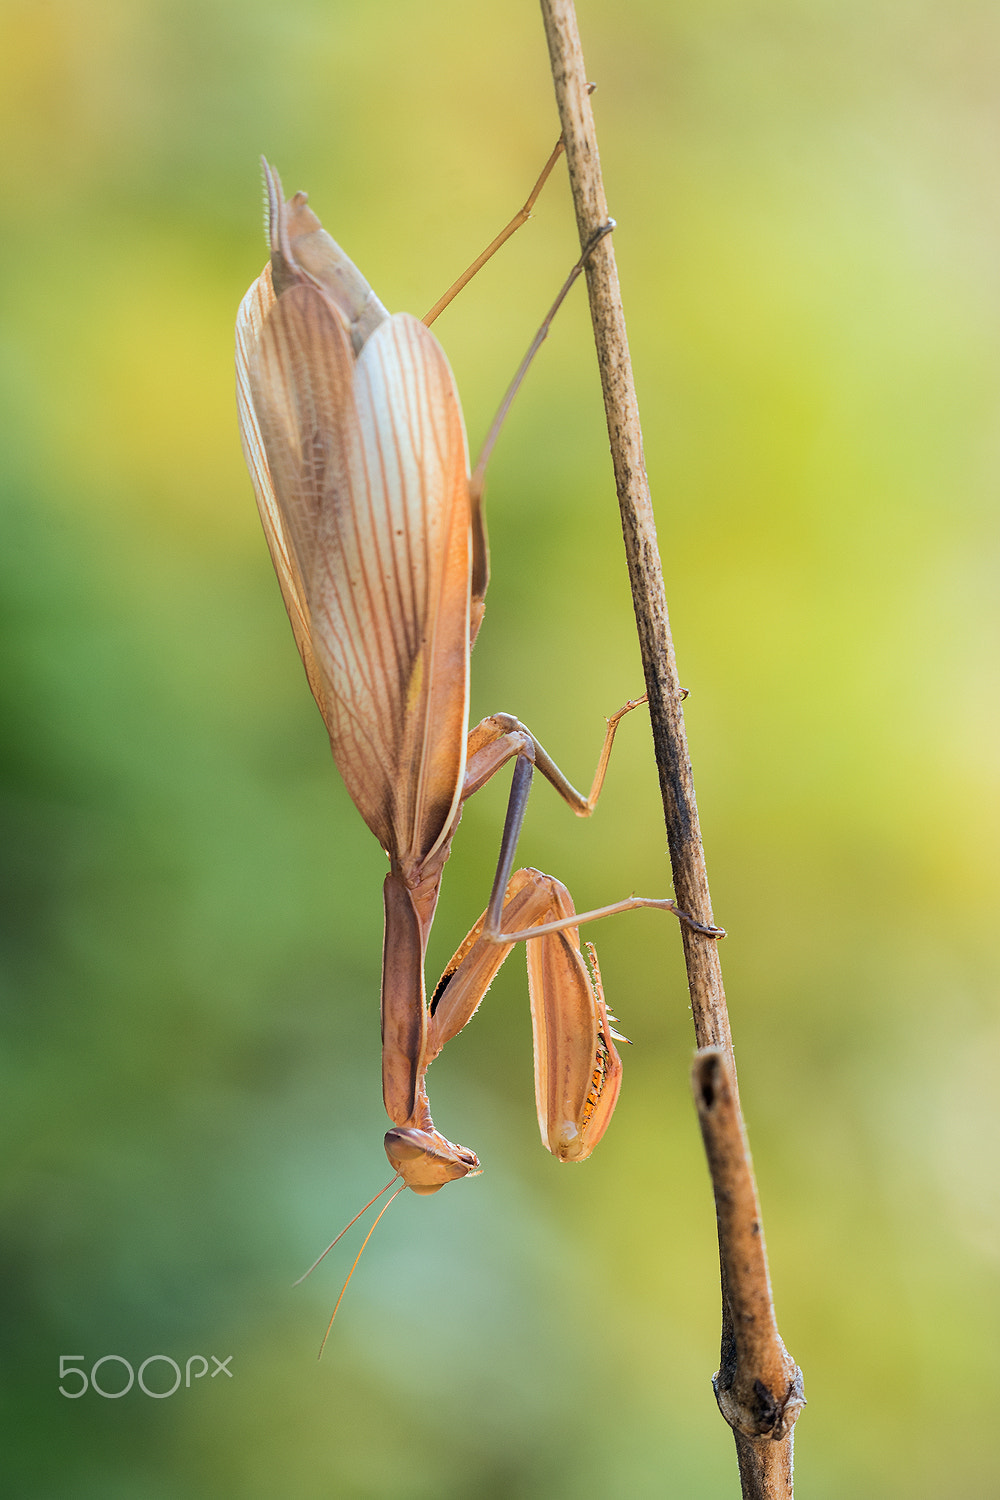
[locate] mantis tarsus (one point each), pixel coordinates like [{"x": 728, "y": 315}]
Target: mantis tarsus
[{"x": 353, "y": 435}]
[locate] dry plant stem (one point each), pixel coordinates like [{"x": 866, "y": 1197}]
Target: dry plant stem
[
  {"x": 765, "y": 1461},
  {"x": 759, "y": 1386}
]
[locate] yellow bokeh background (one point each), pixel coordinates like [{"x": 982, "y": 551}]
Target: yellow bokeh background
[{"x": 808, "y": 201}]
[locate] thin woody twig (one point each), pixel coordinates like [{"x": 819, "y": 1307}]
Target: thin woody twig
[{"x": 758, "y": 1386}]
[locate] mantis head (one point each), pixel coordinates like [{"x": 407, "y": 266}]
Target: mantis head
[{"x": 425, "y": 1160}]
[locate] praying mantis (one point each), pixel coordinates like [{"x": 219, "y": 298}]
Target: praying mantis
[{"x": 353, "y": 434}]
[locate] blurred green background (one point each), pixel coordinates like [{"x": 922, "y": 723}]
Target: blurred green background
[{"x": 808, "y": 199}]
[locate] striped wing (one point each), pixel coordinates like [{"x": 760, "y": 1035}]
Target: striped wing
[
  {"x": 250, "y": 320},
  {"x": 370, "y": 519}
]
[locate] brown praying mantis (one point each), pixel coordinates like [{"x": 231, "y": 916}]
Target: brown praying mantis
[{"x": 353, "y": 434}]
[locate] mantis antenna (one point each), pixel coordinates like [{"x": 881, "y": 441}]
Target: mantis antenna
[
  {"x": 346, "y": 1227},
  {"x": 361, "y": 1252}
]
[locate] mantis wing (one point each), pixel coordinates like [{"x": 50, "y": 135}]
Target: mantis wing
[
  {"x": 361, "y": 473},
  {"x": 250, "y": 320}
]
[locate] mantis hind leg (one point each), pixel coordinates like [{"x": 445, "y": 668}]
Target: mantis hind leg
[
  {"x": 492, "y": 743},
  {"x": 498, "y": 739}
]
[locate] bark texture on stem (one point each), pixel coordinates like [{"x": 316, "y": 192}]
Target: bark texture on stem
[
  {"x": 758, "y": 1385},
  {"x": 749, "y": 1365}
]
